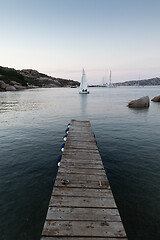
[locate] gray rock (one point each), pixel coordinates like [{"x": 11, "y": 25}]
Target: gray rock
[
  {"x": 18, "y": 87},
  {"x": 142, "y": 102},
  {"x": 10, "y": 88},
  {"x": 156, "y": 99},
  {"x": 15, "y": 83},
  {"x": 3, "y": 85}
]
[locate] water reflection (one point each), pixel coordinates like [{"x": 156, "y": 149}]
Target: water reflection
[
  {"x": 7, "y": 105},
  {"x": 83, "y": 104},
  {"x": 18, "y": 101},
  {"x": 139, "y": 110}
]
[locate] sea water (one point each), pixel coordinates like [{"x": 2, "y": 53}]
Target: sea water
[{"x": 32, "y": 126}]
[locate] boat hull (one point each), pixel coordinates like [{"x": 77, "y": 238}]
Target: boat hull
[{"x": 80, "y": 92}]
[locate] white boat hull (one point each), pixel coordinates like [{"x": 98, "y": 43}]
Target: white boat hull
[{"x": 83, "y": 92}]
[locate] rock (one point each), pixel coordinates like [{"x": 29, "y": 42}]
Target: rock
[
  {"x": 15, "y": 83},
  {"x": 18, "y": 87},
  {"x": 156, "y": 99},
  {"x": 142, "y": 102},
  {"x": 3, "y": 85},
  {"x": 10, "y": 88}
]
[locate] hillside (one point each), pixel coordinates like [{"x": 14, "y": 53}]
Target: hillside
[
  {"x": 11, "y": 79},
  {"x": 145, "y": 82}
]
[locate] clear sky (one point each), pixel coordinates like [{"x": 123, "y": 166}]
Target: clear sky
[{"x": 60, "y": 37}]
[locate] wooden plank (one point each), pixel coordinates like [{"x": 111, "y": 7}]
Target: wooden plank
[
  {"x": 88, "y": 202},
  {"x": 81, "y": 129},
  {"x": 86, "y": 165},
  {"x": 80, "y": 177},
  {"x": 79, "y": 136},
  {"x": 82, "y": 238},
  {"x": 80, "y": 145},
  {"x": 81, "y": 139},
  {"x": 75, "y": 170},
  {"x": 81, "y": 192},
  {"x": 82, "y": 214},
  {"x": 80, "y": 122},
  {"x": 80, "y": 132},
  {"x": 82, "y": 184},
  {"x": 82, "y": 155},
  {"x": 84, "y": 152},
  {"x": 83, "y": 228}
]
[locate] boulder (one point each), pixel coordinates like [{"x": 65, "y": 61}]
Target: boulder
[
  {"x": 18, "y": 87},
  {"x": 156, "y": 99},
  {"x": 15, "y": 83},
  {"x": 10, "y": 88},
  {"x": 142, "y": 102},
  {"x": 3, "y": 85}
]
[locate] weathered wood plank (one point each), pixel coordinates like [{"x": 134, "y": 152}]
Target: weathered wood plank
[
  {"x": 81, "y": 192},
  {"x": 80, "y": 177},
  {"x": 81, "y": 139},
  {"x": 82, "y": 184},
  {"x": 80, "y": 123},
  {"x": 82, "y": 129},
  {"x": 80, "y": 133},
  {"x": 83, "y": 228},
  {"x": 81, "y": 155},
  {"x": 69, "y": 170},
  {"x": 84, "y": 152},
  {"x": 80, "y": 145},
  {"x": 82, "y": 238},
  {"x": 88, "y": 202},
  {"x": 82, "y": 214},
  {"x": 86, "y": 163},
  {"x": 89, "y": 165}
]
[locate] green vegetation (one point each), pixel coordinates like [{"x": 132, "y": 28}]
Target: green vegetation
[{"x": 8, "y": 75}]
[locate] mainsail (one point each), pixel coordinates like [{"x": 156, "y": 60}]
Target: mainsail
[{"x": 83, "y": 84}]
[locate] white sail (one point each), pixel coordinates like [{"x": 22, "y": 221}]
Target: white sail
[{"x": 83, "y": 84}]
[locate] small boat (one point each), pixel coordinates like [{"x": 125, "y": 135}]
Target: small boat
[{"x": 83, "y": 85}]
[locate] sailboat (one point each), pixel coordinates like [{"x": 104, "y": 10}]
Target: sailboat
[
  {"x": 110, "y": 84},
  {"x": 83, "y": 84}
]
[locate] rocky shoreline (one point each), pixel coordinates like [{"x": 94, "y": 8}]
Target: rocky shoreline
[
  {"x": 13, "y": 80},
  {"x": 145, "y": 82},
  {"x": 13, "y": 86}
]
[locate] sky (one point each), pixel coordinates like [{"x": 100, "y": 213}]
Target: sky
[{"x": 61, "y": 37}]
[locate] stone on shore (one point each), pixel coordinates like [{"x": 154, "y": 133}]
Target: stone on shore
[
  {"x": 142, "y": 102},
  {"x": 15, "y": 83},
  {"x": 19, "y": 87},
  {"x": 10, "y": 88},
  {"x": 3, "y": 85},
  {"x": 156, "y": 99}
]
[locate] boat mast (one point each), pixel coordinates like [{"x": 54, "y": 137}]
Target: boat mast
[{"x": 110, "y": 75}]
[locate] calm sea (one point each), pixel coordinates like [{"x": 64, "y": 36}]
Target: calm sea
[{"x": 32, "y": 125}]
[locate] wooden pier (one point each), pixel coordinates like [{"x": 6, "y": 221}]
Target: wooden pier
[{"x": 82, "y": 206}]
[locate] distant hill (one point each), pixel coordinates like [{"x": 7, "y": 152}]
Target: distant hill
[
  {"x": 145, "y": 82},
  {"x": 12, "y": 79}
]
